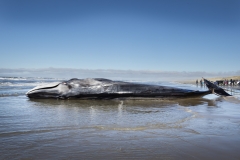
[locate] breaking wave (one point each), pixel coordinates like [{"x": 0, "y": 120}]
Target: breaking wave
[
  {"x": 18, "y": 86},
  {"x": 20, "y": 81}
]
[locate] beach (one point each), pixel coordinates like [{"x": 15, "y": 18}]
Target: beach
[
  {"x": 171, "y": 55},
  {"x": 182, "y": 128},
  {"x": 213, "y": 79}
]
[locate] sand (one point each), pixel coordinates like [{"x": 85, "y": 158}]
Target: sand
[{"x": 211, "y": 79}]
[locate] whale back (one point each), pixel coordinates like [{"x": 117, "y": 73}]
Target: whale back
[{"x": 106, "y": 86}]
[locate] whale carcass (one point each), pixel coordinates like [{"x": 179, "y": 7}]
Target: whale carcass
[{"x": 99, "y": 88}]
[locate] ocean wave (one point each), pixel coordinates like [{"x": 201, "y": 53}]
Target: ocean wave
[
  {"x": 12, "y": 78},
  {"x": 27, "y": 78},
  {"x": 22, "y": 84},
  {"x": 22, "y": 81},
  {"x": 11, "y": 94},
  {"x": 5, "y": 83}
]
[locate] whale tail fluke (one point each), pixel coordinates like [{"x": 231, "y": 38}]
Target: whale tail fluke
[{"x": 215, "y": 89}]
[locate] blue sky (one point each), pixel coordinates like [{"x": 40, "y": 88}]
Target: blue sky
[{"x": 161, "y": 35}]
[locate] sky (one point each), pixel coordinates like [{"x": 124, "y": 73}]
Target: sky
[{"x": 138, "y": 35}]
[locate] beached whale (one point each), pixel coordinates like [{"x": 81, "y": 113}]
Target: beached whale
[{"x": 99, "y": 88}]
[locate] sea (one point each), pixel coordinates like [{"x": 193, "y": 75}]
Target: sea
[{"x": 199, "y": 128}]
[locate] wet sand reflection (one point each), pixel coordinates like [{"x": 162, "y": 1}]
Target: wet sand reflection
[{"x": 188, "y": 128}]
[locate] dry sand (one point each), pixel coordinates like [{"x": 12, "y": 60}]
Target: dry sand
[{"x": 211, "y": 79}]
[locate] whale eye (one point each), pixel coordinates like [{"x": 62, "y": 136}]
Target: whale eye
[{"x": 68, "y": 85}]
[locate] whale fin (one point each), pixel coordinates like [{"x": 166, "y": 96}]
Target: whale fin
[{"x": 215, "y": 89}]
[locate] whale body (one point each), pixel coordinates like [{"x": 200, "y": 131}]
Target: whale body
[{"x": 99, "y": 88}]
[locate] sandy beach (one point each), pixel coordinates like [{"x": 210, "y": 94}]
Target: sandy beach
[
  {"x": 183, "y": 128},
  {"x": 163, "y": 129},
  {"x": 193, "y": 81}
]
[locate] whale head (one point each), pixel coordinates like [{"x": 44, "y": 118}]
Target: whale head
[
  {"x": 51, "y": 90},
  {"x": 62, "y": 90}
]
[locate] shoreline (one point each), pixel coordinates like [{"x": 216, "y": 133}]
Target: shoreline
[{"x": 211, "y": 79}]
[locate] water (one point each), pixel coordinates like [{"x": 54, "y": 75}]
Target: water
[{"x": 191, "y": 128}]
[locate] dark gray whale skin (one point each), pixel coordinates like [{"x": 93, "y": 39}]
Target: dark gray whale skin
[{"x": 99, "y": 88}]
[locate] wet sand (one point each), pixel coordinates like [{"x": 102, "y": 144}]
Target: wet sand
[
  {"x": 189, "y": 128},
  {"x": 193, "y": 81}
]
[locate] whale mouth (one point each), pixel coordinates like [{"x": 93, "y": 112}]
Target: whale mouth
[{"x": 47, "y": 90}]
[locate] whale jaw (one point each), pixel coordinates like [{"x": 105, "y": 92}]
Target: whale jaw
[{"x": 52, "y": 90}]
